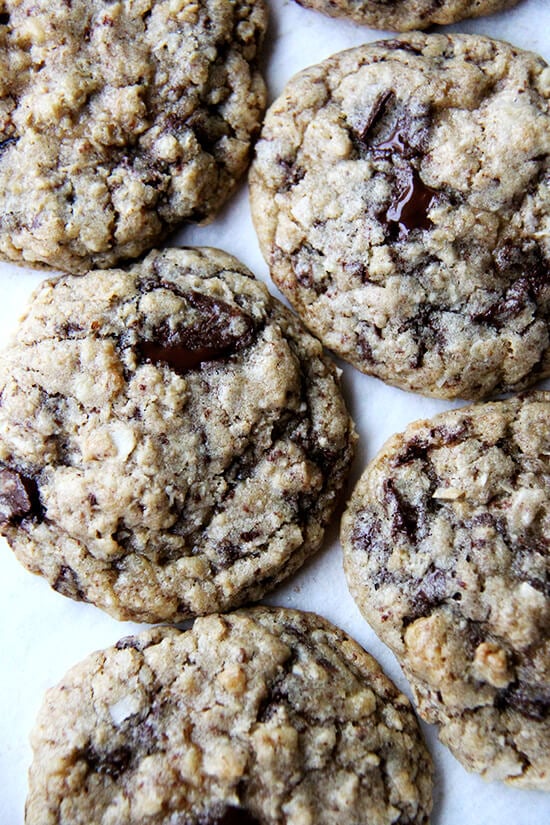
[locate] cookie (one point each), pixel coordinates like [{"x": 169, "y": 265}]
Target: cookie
[
  {"x": 446, "y": 541},
  {"x": 400, "y": 193},
  {"x": 119, "y": 120},
  {"x": 172, "y": 441},
  {"x": 404, "y": 15},
  {"x": 260, "y": 717}
]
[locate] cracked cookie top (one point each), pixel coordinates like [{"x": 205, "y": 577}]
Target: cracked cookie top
[
  {"x": 261, "y": 717},
  {"x": 119, "y": 120},
  {"x": 446, "y": 543},
  {"x": 404, "y": 15},
  {"x": 172, "y": 441},
  {"x": 400, "y": 192}
]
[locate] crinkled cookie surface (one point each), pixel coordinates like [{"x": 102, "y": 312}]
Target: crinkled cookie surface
[
  {"x": 446, "y": 542},
  {"x": 172, "y": 441},
  {"x": 261, "y": 717},
  {"x": 401, "y": 196},
  {"x": 404, "y": 15},
  {"x": 120, "y": 120}
]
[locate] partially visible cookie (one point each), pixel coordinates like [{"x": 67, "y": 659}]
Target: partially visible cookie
[
  {"x": 404, "y": 15},
  {"x": 261, "y": 717},
  {"x": 401, "y": 196},
  {"x": 119, "y": 120},
  {"x": 447, "y": 553},
  {"x": 172, "y": 441}
]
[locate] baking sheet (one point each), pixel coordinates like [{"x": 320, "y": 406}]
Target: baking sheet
[{"x": 43, "y": 633}]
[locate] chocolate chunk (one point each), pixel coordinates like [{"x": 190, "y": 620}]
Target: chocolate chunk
[
  {"x": 306, "y": 262},
  {"x": 528, "y": 272},
  {"x": 401, "y": 45},
  {"x": 529, "y": 700},
  {"x": 209, "y": 128},
  {"x": 378, "y": 109},
  {"x": 405, "y": 517},
  {"x": 4, "y": 144},
  {"x": 242, "y": 466},
  {"x": 218, "y": 331},
  {"x": 232, "y": 816},
  {"x": 446, "y": 435},
  {"x": 110, "y": 763},
  {"x": 514, "y": 262},
  {"x": 19, "y": 497},
  {"x": 396, "y": 142},
  {"x": 528, "y": 550},
  {"x": 366, "y": 533},
  {"x": 407, "y": 139},
  {"x": 227, "y": 553},
  {"x": 415, "y": 450},
  {"x": 364, "y": 346},
  {"x": 68, "y": 585},
  {"x": 138, "y": 738},
  {"x": 516, "y": 299},
  {"x": 410, "y": 210},
  {"x": 4, "y": 20},
  {"x": 180, "y": 359},
  {"x": 432, "y": 591},
  {"x": 128, "y": 642},
  {"x": 292, "y": 172},
  {"x": 357, "y": 269}
]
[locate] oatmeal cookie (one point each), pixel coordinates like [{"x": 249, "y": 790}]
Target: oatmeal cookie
[
  {"x": 119, "y": 120},
  {"x": 261, "y": 717},
  {"x": 404, "y": 15},
  {"x": 446, "y": 543},
  {"x": 401, "y": 197},
  {"x": 172, "y": 441}
]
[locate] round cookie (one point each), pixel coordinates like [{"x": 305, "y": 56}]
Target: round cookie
[
  {"x": 400, "y": 193},
  {"x": 119, "y": 120},
  {"x": 172, "y": 441},
  {"x": 262, "y": 717},
  {"x": 446, "y": 541},
  {"x": 404, "y": 15}
]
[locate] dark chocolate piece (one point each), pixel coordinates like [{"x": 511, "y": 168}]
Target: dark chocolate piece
[
  {"x": 220, "y": 331},
  {"x": 378, "y": 109},
  {"x": 234, "y": 816},
  {"x": 530, "y": 700},
  {"x": 4, "y": 144},
  {"x": 19, "y": 497},
  {"x": 410, "y": 210}
]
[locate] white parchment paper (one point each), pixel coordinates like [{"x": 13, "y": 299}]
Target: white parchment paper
[{"x": 42, "y": 633}]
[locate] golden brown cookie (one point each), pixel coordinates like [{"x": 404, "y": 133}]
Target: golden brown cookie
[{"x": 446, "y": 543}]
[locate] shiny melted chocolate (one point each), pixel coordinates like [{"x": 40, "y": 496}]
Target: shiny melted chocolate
[
  {"x": 218, "y": 331},
  {"x": 180, "y": 358},
  {"x": 396, "y": 142},
  {"x": 410, "y": 209}
]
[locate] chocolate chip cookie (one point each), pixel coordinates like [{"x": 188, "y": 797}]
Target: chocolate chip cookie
[
  {"x": 172, "y": 441},
  {"x": 401, "y": 197},
  {"x": 119, "y": 120},
  {"x": 404, "y": 15},
  {"x": 446, "y": 542},
  {"x": 260, "y": 717}
]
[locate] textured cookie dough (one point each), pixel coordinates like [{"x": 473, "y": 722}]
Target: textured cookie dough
[
  {"x": 446, "y": 543},
  {"x": 401, "y": 197},
  {"x": 404, "y": 15},
  {"x": 172, "y": 441},
  {"x": 263, "y": 717},
  {"x": 119, "y": 120}
]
